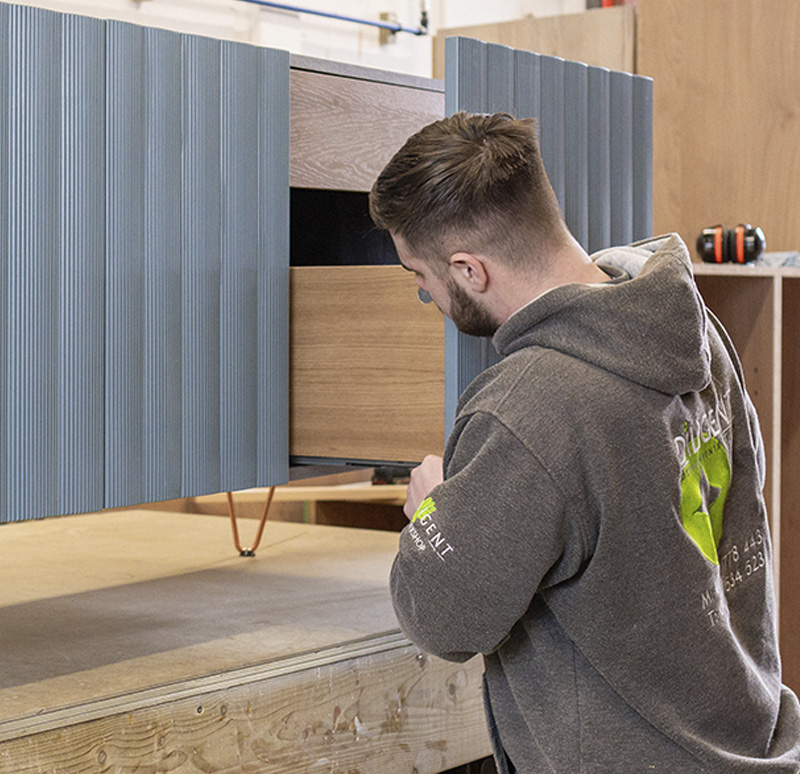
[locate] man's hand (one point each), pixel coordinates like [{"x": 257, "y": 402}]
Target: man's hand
[{"x": 423, "y": 479}]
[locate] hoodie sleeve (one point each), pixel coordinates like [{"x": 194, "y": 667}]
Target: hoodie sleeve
[{"x": 481, "y": 544}]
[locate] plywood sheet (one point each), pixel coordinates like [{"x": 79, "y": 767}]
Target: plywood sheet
[
  {"x": 99, "y": 605},
  {"x": 726, "y": 114},
  {"x": 604, "y": 37},
  {"x": 134, "y": 641}
]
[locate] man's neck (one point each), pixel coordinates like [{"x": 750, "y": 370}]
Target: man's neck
[{"x": 569, "y": 265}]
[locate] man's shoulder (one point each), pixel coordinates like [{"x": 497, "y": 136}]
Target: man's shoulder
[{"x": 534, "y": 374}]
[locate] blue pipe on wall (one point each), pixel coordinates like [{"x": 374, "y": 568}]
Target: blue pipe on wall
[{"x": 391, "y": 26}]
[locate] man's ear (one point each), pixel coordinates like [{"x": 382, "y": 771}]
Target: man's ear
[{"x": 469, "y": 271}]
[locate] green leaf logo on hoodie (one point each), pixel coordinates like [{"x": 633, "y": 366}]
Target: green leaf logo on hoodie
[{"x": 705, "y": 480}]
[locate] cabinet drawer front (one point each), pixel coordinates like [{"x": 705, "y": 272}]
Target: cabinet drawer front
[
  {"x": 367, "y": 365},
  {"x": 343, "y": 131}
]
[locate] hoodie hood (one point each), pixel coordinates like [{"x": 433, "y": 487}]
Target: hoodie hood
[{"x": 650, "y": 328}]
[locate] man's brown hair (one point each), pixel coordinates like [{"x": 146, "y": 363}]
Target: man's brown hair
[{"x": 473, "y": 183}]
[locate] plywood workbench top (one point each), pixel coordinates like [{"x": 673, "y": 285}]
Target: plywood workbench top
[
  {"x": 138, "y": 640},
  {"x": 100, "y": 605}
]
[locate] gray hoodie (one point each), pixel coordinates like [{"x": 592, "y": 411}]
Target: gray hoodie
[{"x": 601, "y": 537}]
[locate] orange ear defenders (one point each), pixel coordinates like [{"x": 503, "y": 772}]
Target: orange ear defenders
[{"x": 743, "y": 244}]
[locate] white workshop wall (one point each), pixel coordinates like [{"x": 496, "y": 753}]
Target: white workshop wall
[{"x": 316, "y": 36}]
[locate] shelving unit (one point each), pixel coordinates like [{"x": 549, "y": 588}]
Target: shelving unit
[{"x": 760, "y": 307}]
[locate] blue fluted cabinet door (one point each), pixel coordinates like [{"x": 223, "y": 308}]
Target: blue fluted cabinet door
[
  {"x": 595, "y": 133},
  {"x": 144, "y": 264}
]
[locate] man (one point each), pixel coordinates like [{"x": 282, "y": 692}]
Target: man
[{"x": 597, "y": 528}]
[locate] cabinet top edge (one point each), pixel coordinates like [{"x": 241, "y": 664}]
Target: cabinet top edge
[{"x": 362, "y": 73}]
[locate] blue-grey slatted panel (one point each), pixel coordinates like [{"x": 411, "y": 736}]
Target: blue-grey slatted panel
[
  {"x": 642, "y": 158},
  {"x": 273, "y": 276},
  {"x": 202, "y": 235},
  {"x": 576, "y": 156},
  {"x": 51, "y": 224},
  {"x": 125, "y": 248},
  {"x": 245, "y": 270},
  {"x": 82, "y": 262},
  {"x": 465, "y": 66},
  {"x": 161, "y": 410},
  {"x": 213, "y": 365},
  {"x": 621, "y": 158},
  {"x": 586, "y": 131},
  {"x": 51, "y": 227},
  {"x": 499, "y": 80},
  {"x": 527, "y": 85},
  {"x": 599, "y": 159},
  {"x": 466, "y": 87},
  {"x": 240, "y": 261},
  {"x": 33, "y": 263},
  {"x": 235, "y": 266},
  {"x": 5, "y": 113},
  {"x": 552, "y": 122}
]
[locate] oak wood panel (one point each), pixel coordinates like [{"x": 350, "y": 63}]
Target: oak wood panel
[
  {"x": 602, "y": 37},
  {"x": 367, "y": 365},
  {"x": 343, "y": 131},
  {"x": 726, "y": 114}
]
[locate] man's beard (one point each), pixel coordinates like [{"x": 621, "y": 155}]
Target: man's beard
[{"x": 467, "y": 314}]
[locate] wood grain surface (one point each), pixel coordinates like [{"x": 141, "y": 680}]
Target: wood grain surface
[
  {"x": 602, "y": 37},
  {"x": 367, "y": 365},
  {"x": 726, "y": 114},
  {"x": 133, "y": 641},
  {"x": 343, "y": 131},
  {"x": 393, "y": 711}
]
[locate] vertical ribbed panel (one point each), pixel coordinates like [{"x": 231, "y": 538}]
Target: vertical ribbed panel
[
  {"x": 621, "y": 158},
  {"x": 82, "y": 262},
  {"x": 50, "y": 228},
  {"x": 466, "y": 84},
  {"x": 161, "y": 411},
  {"x": 33, "y": 263},
  {"x": 254, "y": 256},
  {"x": 240, "y": 262},
  {"x": 235, "y": 266},
  {"x": 5, "y": 114},
  {"x": 127, "y": 161},
  {"x": 595, "y": 129},
  {"x": 527, "y": 85},
  {"x": 199, "y": 402},
  {"x": 642, "y": 158},
  {"x": 202, "y": 235},
  {"x": 599, "y": 159},
  {"x": 576, "y": 157},
  {"x": 465, "y": 68},
  {"x": 500, "y": 80},
  {"x": 551, "y": 132},
  {"x": 272, "y": 440}
]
